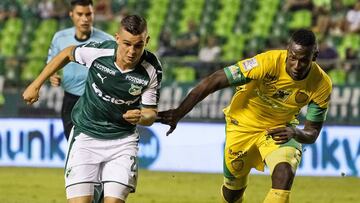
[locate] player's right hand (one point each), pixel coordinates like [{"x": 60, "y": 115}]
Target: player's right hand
[
  {"x": 55, "y": 80},
  {"x": 132, "y": 116},
  {"x": 170, "y": 118},
  {"x": 31, "y": 94}
]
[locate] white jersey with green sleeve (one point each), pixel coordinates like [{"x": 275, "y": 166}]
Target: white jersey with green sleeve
[{"x": 110, "y": 92}]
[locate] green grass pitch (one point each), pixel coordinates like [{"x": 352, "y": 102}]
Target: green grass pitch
[{"x": 40, "y": 185}]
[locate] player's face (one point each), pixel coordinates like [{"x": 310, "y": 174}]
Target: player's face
[
  {"x": 130, "y": 47},
  {"x": 83, "y": 18},
  {"x": 299, "y": 60}
]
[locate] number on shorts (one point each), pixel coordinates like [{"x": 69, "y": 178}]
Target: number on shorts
[{"x": 133, "y": 165}]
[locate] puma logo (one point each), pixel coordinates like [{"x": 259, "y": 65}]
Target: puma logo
[{"x": 102, "y": 78}]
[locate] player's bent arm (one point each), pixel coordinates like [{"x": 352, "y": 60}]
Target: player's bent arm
[
  {"x": 315, "y": 117},
  {"x": 31, "y": 93},
  {"x": 58, "y": 62},
  {"x": 148, "y": 116},
  {"x": 309, "y": 134},
  {"x": 208, "y": 85}
]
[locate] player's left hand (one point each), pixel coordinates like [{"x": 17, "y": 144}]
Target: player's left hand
[
  {"x": 170, "y": 118},
  {"x": 281, "y": 135}
]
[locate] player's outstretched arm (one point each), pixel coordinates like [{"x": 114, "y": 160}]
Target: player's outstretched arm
[
  {"x": 308, "y": 135},
  {"x": 208, "y": 85},
  {"x": 31, "y": 93}
]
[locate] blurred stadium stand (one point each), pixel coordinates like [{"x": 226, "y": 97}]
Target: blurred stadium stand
[{"x": 243, "y": 27}]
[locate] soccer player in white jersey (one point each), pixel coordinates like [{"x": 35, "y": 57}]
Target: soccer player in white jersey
[
  {"x": 74, "y": 75},
  {"x": 121, "y": 91}
]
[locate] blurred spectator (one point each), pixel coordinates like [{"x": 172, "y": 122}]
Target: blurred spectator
[
  {"x": 123, "y": 11},
  {"x": 165, "y": 44},
  {"x": 103, "y": 10},
  {"x": 61, "y": 9},
  {"x": 327, "y": 55},
  {"x": 211, "y": 51},
  {"x": 351, "y": 65},
  {"x": 8, "y": 9},
  {"x": 322, "y": 20},
  {"x": 188, "y": 43},
  {"x": 295, "y": 5},
  {"x": 338, "y": 12},
  {"x": 29, "y": 8},
  {"x": 208, "y": 57},
  {"x": 11, "y": 69},
  {"x": 46, "y": 9},
  {"x": 13, "y": 11},
  {"x": 351, "y": 59},
  {"x": 353, "y": 18},
  {"x": 3, "y": 13}
]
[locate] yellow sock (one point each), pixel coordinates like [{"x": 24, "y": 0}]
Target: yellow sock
[{"x": 277, "y": 196}]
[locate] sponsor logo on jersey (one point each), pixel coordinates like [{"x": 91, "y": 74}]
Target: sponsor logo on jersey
[
  {"x": 281, "y": 94},
  {"x": 269, "y": 78},
  {"x": 135, "y": 90},
  {"x": 137, "y": 80},
  {"x": 149, "y": 147},
  {"x": 113, "y": 100},
  {"x": 104, "y": 68},
  {"x": 250, "y": 64},
  {"x": 273, "y": 103},
  {"x": 101, "y": 77}
]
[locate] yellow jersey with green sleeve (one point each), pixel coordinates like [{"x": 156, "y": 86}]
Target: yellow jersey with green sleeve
[{"x": 267, "y": 97}]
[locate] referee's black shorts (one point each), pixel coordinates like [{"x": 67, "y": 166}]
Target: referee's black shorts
[{"x": 69, "y": 101}]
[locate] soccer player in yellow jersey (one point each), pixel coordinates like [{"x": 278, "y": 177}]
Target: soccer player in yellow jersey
[{"x": 271, "y": 88}]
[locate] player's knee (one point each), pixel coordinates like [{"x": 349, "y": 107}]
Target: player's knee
[
  {"x": 282, "y": 176},
  {"x": 233, "y": 189},
  {"x": 232, "y": 196}
]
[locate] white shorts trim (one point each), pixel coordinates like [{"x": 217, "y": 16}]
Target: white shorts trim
[
  {"x": 116, "y": 190},
  {"x": 79, "y": 190}
]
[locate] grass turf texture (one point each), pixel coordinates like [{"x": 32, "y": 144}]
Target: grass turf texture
[{"x": 39, "y": 185}]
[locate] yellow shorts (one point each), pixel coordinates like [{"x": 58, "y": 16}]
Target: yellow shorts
[{"x": 245, "y": 150}]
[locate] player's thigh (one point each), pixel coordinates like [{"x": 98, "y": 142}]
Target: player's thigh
[
  {"x": 272, "y": 153},
  {"x": 122, "y": 167},
  {"x": 240, "y": 156},
  {"x": 83, "y": 160},
  {"x": 285, "y": 154}
]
